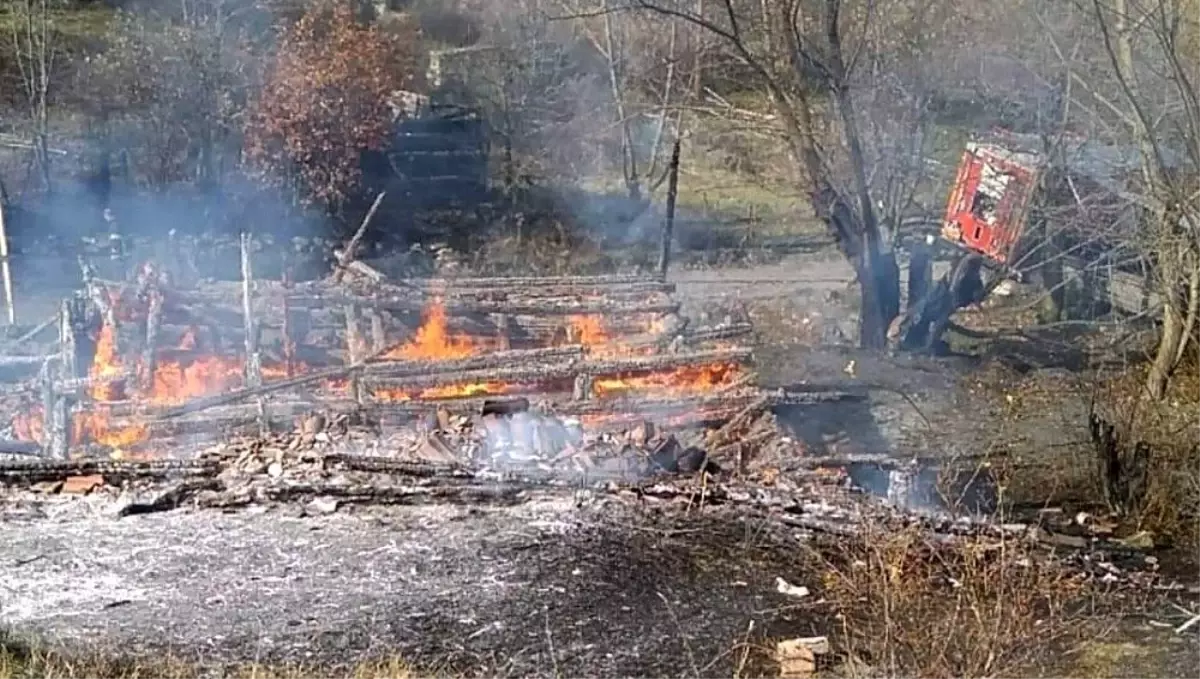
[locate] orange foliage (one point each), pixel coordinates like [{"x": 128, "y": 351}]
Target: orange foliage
[{"x": 325, "y": 98}]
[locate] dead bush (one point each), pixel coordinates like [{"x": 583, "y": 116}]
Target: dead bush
[
  {"x": 1167, "y": 434},
  {"x": 911, "y": 605}
]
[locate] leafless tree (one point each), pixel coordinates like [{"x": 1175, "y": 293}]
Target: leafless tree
[
  {"x": 34, "y": 51},
  {"x": 1141, "y": 84},
  {"x": 172, "y": 86},
  {"x": 810, "y": 58}
]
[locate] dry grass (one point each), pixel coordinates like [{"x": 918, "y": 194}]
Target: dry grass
[
  {"x": 909, "y": 605},
  {"x": 21, "y": 660}
]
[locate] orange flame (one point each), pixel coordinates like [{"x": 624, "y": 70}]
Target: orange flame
[
  {"x": 433, "y": 339},
  {"x": 679, "y": 382},
  {"x": 588, "y": 330},
  {"x": 447, "y": 391},
  {"x": 106, "y": 368}
]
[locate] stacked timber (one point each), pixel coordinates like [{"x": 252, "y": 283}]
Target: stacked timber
[{"x": 144, "y": 367}]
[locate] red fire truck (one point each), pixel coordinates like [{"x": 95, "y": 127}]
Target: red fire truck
[{"x": 989, "y": 200}]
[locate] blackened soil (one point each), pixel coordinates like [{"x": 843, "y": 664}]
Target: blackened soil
[{"x": 546, "y": 588}]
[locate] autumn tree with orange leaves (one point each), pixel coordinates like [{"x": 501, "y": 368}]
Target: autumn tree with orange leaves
[{"x": 324, "y": 101}]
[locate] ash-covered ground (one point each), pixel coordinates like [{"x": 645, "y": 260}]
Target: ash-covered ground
[{"x": 565, "y": 583}]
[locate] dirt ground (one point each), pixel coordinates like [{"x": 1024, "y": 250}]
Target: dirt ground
[{"x": 558, "y": 585}]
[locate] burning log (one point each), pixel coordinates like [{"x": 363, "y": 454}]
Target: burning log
[
  {"x": 373, "y": 365},
  {"x": 236, "y": 395},
  {"x": 607, "y": 374},
  {"x": 98, "y": 293},
  {"x": 381, "y": 367},
  {"x": 641, "y": 364}
]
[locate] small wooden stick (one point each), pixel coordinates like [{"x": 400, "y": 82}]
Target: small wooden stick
[{"x": 351, "y": 250}]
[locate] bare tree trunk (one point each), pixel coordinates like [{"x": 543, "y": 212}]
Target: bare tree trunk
[
  {"x": 878, "y": 273},
  {"x": 1193, "y": 313},
  {"x": 1173, "y": 251},
  {"x": 1168, "y": 342},
  {"x": 629, "y": 160},
  {"x": 1049, "y": 273}
]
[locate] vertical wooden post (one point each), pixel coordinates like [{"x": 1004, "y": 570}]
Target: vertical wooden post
[
  {"x": 6, "y": 270},
  {"x": 67, "y": 324},
  {"x": 46, "y": 377},
  {"x": 668, "y": 232},
  {"x": 378, "y": 333},
  {"x": 67, "y": 367},
  {"x": 354, "y": 350},
  {"x": 150, "y": 348},
  {"x": 99, "y": 296},
  {"x": 289, "y": 345},
  {"x": 503, "y": 330},
  {"x": 583, "y": 387},
  {"x": 253, "y": 362}
]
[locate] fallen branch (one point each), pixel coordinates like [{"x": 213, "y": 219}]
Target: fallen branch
[{"x": 350, "y": 252}]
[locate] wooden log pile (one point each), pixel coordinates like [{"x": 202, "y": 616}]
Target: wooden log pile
[{"x": 142, "y": 366}]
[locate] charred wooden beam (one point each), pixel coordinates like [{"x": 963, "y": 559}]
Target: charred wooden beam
[
  {"x": 9, "y": 447},
  {"x": 657, "y": 363},
  {"x": 718, "y": 332},
  {"x": 383, "y": 367},
  {"x": 52, "y": 470},
  {"x": 547, "y": 307},
  {"x": 533, "y": 282}
]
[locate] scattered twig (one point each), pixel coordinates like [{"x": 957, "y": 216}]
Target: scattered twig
[{"x": 683, "y": 636}]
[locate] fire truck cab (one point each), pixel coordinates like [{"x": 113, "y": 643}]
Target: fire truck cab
[{"x": 989, "y": 199}]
